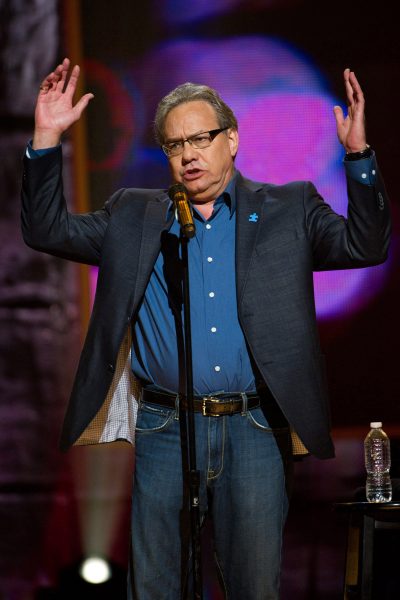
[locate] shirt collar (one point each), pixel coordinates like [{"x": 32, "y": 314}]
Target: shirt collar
[{"x": 229, "y": 195}]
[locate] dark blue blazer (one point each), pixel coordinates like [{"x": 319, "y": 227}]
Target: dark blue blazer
[{"x": 296, "y": 234}]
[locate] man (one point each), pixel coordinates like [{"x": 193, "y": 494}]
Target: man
[{"x": 256, "y": 351}]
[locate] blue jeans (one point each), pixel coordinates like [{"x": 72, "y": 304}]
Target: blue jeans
[{"x": 245, "y": 469}]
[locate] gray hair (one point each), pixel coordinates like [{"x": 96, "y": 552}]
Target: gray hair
[{"x": 189, "y": 92}]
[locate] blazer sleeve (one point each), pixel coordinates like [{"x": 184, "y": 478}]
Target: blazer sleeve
[
  {"x": 47, "y": 225},
  {"x": 360, "y": 240}
]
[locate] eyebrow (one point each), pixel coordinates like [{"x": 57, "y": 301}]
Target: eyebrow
[{"x": 172, "y": 140}]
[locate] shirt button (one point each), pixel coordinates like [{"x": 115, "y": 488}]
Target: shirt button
[
  {"x": 373, "y": 172},
  {"x": 208, "y": 226},
  {"x": 213, "y": 329},
  {"x": 211, "y": 294},
  {"x": 209, "y": 259},
  {"x": 217, "y": 368},
  {"x": 364, "y": 175}
]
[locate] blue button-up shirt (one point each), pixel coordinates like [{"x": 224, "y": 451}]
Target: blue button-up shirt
[{"x": 220, "y": 358}]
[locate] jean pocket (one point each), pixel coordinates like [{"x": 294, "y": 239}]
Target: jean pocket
[
  {"x": 257, "y": 419},
  {"x": 152, "y": 418}
]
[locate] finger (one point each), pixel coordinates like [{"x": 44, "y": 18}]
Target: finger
[
  {"x": 359, "y": 100},
  {"x": 52, "y": 78},
  {"x": 47, "y": 82},
  {"x": 62, "y": 75},
  {"x": 65, "y": 69},
  {"x": 349, "y": 77},
  {"x": 73, "y": 81},
  {"x": 354, "y": 82},
  {"x": 50, "y": 82},
  {"x": 82, "y": 104},
  {"x": 353, "y": 90},
  {"x": 348, "y": 87}
]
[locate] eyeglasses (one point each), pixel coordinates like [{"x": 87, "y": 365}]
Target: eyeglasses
[{"x": 198, "y": 141}]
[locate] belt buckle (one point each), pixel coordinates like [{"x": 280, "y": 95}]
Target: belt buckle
[{"x": 204, "y": 400}]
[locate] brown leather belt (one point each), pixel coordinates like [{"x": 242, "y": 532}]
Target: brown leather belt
[{"x": 209, "y": 406}]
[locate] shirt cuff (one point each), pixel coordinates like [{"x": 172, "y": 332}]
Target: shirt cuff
[
  {"x": 363, "y": 170},
  {"x": 31, "y": 153}
]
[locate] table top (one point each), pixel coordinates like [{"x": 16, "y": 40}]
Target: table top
[{"x": 368, "y": 507}]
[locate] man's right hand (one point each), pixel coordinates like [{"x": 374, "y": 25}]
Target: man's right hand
[{"x": 55, "y": 112}]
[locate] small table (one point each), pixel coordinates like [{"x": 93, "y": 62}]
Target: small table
[{"x": 364, "y": 519}]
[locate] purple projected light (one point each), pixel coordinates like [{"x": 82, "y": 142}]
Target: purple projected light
[
  {"x": 286, "y": 126},
  {"x": 278, "y": 148}
]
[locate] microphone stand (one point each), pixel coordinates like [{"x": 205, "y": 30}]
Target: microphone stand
[{"x": 193, "y": 474}]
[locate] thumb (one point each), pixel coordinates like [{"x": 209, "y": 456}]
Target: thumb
[
  {"x": 338, "y": 112},
  {"x": 82, "y": 104}
]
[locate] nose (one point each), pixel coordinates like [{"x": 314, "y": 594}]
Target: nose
[{"x": 188, "y": 152}]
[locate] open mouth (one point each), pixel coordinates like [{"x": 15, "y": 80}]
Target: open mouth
[{"x": 192, "y": 174}]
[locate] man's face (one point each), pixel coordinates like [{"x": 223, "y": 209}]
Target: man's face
[{"x": 205, "y": 172}]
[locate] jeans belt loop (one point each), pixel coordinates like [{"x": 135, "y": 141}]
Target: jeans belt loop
[
  {"x": 244, "y": 403},
  {"x": 177, "y": 403},
  {"x": 204, "y": 407}
]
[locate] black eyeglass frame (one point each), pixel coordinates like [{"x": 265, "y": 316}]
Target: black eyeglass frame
[{"x": 212, "y": 133}]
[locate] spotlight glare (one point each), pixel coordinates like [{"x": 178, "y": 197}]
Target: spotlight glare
[{"x": 95, "y": 570}]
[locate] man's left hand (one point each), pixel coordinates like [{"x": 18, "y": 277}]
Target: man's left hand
[{"x": 351, "y": 129}]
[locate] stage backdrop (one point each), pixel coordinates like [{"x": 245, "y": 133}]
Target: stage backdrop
[{"x": 279, "y": 65}]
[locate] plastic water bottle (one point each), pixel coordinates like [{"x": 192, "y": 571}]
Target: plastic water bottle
[{"x": 377, "y": 464}]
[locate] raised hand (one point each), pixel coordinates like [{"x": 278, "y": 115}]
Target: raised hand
[
  {"x": 351, "y": 129},
  {"x": 55, "y": 111}
]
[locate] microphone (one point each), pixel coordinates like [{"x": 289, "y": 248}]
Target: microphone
[{"x": 179, "y": 196}]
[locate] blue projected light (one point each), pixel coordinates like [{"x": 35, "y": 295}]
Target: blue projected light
[
  {"x": 286, "y": 126},
  {"x": 180, "y": 11}
]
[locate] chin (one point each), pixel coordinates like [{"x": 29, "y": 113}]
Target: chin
[
  {"x": 199, "y": 191},
  {"x": 195, "y": 191}
]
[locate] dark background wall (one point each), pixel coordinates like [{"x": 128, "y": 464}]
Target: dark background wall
[
  {"x": 40, "y": 328},
  {"x": 53, "y": 508}
]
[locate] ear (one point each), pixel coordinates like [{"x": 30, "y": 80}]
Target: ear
[{"x": 233, "y": 138}]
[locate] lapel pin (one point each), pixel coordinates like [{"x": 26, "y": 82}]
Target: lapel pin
[{"x": 253, "y": 218}]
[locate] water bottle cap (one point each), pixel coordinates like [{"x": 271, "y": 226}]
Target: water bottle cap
[{"x": 376, "y": 425}]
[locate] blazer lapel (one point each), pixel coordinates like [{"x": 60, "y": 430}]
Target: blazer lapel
[
  {"x": 249, "y": 208},
  {"x": 155, "y": 222}
]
